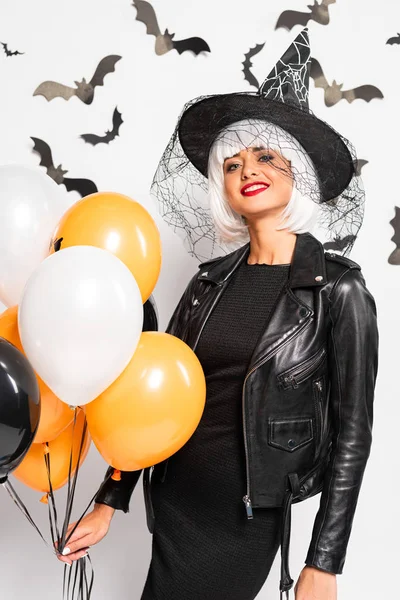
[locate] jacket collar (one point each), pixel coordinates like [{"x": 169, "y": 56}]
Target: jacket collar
[{"x": 308, "y": 266}]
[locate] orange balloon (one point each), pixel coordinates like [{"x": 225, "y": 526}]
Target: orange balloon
[
  {"x": 32, "y": 470},
  {"x": 119, "y": 224},
  {"x": 55, "y": 415},
  {"x": 154, "y": 406}
]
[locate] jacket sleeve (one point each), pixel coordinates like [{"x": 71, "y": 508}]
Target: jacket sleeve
[
  {"x": 353, "y": 365},
  {"x": 117, "y": 494}
]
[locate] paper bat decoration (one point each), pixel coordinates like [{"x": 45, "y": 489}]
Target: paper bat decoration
[
  {"x": 334, "y": 93},
  {"x": 110, "y": 135},
  {"x": 358, "y": 165},
  {"x": 394, "y": 258},
  {"x": 83, "y": 186},
  {"x": 394, "y": 40},
  {"x": 56, "y": 244},
  {"x": 339, "y": 243},
  {"x": 9, "y": 52},
  {"x": 84, "y": 90},
  {"x": 164, "y": 41},
  {"x": 319, "y": 13},
  {"x": 247, "y": 64}
]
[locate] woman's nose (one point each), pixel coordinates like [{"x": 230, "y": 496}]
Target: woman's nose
[{"x": 249, "y": 169}]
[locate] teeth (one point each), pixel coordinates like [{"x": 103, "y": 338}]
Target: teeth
[{"x": 255, "y": 187}]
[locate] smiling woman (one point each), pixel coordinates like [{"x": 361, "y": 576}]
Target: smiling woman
[
  {"x": 188, "y": 186},
  {"x": 288, "y": 410},
  {"x": 278, "y": 160}
]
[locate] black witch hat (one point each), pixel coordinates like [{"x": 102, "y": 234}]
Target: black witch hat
[
  {"x": 282, "y": 99},
  {"x": 180, "y": 182}
]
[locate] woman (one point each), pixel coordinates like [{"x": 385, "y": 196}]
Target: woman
[{"x": 274, "y": 323}]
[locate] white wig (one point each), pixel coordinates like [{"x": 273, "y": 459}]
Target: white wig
[{"x": 301, "y": 212}]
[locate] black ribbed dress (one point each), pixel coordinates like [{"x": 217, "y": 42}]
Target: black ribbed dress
[{"x": 204, "y": 547}]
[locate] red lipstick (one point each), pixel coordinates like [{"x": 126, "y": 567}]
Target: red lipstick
[{"x": 247, "y": 191}]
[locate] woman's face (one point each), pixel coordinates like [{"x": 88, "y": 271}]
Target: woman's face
[{"x": 257, "y": 181}]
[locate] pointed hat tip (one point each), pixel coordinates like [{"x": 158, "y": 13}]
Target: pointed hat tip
[
  {"x": 304, "y": 32},
  {"x": 283, "y": 80}
]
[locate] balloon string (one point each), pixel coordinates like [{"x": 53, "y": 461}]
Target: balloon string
[
  {"x": 53, "y": 517},
  {"x": 87, "y": 508},
  {"x": 76, "y": 584},
  {"x": 90, "y": 585},
  {"x": 67, "y": 580},
  {"x": 81, "y": 588},
  {"x": 72, "y": 479},
  {"x": 17, "y": 500},
  {"x": 70, "y": 456}
]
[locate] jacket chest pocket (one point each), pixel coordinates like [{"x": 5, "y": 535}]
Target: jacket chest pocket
[
  {"x": 290, "y": 434},
  {"x": 293, "y": 377}
]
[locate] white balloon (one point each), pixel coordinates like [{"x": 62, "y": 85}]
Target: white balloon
[
  {"x": 80, "y": 320},
  {"x": 31, "y": 205}
]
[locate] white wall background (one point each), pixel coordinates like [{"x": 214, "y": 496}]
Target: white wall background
[{"x": 64, "y": 41}]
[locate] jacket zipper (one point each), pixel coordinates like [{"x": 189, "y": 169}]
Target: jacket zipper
[
  {"x": 298, "y": 377},
  {"x": 247, "y": 498},
  {"x": 318, "y": 408}
]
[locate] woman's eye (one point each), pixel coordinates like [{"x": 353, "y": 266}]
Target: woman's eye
[
  {"x": 267, "y": 157},
  {"x": 229, "y": 168}
]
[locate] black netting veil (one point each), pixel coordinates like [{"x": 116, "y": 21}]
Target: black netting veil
[{"x": 323, "y": 164}]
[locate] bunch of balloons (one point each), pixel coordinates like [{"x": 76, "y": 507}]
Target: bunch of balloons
[{"x": 80, "y": 329}]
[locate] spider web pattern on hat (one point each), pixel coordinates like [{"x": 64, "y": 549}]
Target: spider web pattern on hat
[
  {"x": 289, "y": 79},
  {"x": 180, "y": 189}
]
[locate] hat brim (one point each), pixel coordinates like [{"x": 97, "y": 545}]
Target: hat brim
[{"x": 201, "y": 123}]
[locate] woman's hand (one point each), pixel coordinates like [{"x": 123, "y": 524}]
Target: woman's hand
[
  {"x": 315, "y": 584},
  {"x": 93, "y": 527}
]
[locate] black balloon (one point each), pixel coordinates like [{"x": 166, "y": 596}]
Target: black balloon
[
  {"x": 19, "y": 407},
  {"x": 150, "y": 319}
]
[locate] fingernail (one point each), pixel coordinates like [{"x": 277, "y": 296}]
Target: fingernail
[
  {"x": 65, "y": 551},
  {"x": 69, "y": 564}
]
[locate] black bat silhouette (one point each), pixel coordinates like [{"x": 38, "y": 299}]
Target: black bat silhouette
[
  {"x": 339, "y": 243},
  {"x": 247, "y": 64},
  {"x": 110, "y": 135},
  {"x": 334, "y": 93},
  {"x": 358, "y": 165},
  {"x": 319, "y": 13},
  {"x": 83, "y": 186},
  {"x": 84, "y": 90},
  {"x": 56, "y": 244},
  {"x": 394, "y": 40},
  {"x": 394, "y": 258},
  {"x": 9, "y": 52},
  {"x": 164, "y": 41}
]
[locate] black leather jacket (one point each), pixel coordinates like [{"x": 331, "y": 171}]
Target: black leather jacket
[{"x": 307, "y": 396}]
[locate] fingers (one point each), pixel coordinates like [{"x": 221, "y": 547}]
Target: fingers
[
  {"x": 76, "y": 542},
  {"x": 73, "y": 556},
  {"x": 73, "y": 547}
]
